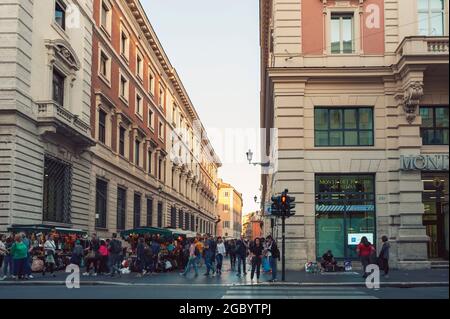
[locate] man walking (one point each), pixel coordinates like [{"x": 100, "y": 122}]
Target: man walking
[
  {"x": 241, "y": 254},
  {"x": 193, "y": 253},
  {"x": 115, "y": 251},
  {"x": 273, "y": 253},
  {"x": 209, "y": 255}
]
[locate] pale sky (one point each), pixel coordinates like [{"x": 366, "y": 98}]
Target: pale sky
[{"x": 214, "y": 46}]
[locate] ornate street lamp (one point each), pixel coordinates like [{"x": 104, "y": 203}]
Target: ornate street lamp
[{"x": 250, "y": 157}]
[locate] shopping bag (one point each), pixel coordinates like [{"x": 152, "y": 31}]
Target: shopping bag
[{"x": 266, "y": 264}]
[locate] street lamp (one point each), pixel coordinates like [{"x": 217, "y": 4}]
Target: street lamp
[
  {"x": 250, "y": 157},
  {"x": 256, "y": 199}
]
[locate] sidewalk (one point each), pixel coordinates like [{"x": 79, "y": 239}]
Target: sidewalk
[{"x": 413, "y": 278}]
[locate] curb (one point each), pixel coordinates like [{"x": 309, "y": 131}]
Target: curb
[{"x": 278, "y": 284}]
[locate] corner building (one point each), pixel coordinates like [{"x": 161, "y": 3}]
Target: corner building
[
  {"x": 139, "y": 112},
  {"x": 358, "y": 91}
]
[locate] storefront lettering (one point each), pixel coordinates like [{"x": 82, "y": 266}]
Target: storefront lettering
[{"x": 431, "y": 162}]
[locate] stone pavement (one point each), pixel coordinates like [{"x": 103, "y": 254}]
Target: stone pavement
[{"x": 398, "y": 278}]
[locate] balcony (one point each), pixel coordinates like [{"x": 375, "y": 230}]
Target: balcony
[
  {"x": 55, "y": 119},
  {"x": 423, "y": 50}
]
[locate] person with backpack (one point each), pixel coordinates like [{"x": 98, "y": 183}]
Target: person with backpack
[
  {"x": 115, "y": 251},
  {"x": 273, "y": 253},
  {"x": 383, "y": 257},
  {"x": 194, "y": 252},
  {"x": 365, "y": 251},
  {"x": 241, "y": 253}
]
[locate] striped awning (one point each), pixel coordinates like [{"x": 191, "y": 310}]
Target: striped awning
[{"x": 344, "y": 208}]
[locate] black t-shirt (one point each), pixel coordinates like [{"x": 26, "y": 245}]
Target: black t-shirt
[
  {"x": 328, "y": 257},
  {"x": 256, "y": 250}
]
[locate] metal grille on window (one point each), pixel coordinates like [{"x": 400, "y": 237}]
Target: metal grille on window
[
  {"x": 57, "y": 190},
  {"x": 173, "y": 218}
]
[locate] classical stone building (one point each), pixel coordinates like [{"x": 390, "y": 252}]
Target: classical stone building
[
  {"x": 358, "y": 91},
  {"x": 45, "y": 71},
  {"x": 229, "y": 211},
  {"x": 153, "y": 164}
]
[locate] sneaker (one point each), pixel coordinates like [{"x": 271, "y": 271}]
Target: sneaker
[
  {"x": 2, "y": 278},
  {"x": 86, "y": 274},
  {"x": 182, "y": 274},
  {"x": 94, "y": 274},
  {"x": 30, "y": 277}
]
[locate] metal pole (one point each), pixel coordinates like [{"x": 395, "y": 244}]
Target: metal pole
[{"x": 283, "y": 260}]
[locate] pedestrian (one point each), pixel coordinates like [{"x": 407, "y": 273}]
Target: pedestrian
[
  {"x": 8, "y": 261},
  {"x": 27, "y": 242},
  {"x": 3, "y": 252},
  {"x": 193, "y": 256},
  {"x": 365, "y": 250},
  {"x": 241, "y": 254},
  {"x": 209, "y": 255},
  {"x": 231, "y": 251},
  {"x": 140, "y": 254},
  {"x": 50, "y": 252},
  {"x": 19, "y": 253},
  {"x": 77, "y": 254},
  {"x": 256, "y": 250},
  {"x": 200, "y": 246},
  {"x": 220, "y": 253},
  {"x": 92, "y": 256},
  {"x": 115, "y": 251},
  {"x": 103, "y": 255},
  {"x": 156, "y": 248},
  {"x": 383, "y": 258},
  {"x": 273, "y": 253}
]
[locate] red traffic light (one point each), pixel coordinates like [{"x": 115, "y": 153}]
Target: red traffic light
[{"x": 284, "y": 199}]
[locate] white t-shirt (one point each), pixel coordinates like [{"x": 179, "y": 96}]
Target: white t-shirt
[
  {"x": 2, "y": 249},
  {"x": 221, "y": 249}
]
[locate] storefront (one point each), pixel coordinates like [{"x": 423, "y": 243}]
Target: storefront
[{"x": 345, "y": 211}]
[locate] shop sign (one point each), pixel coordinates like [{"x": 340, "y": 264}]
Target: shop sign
[
  {"x": 346, "y": 208},
  {"x": 355, "y": 239},
  {"x": 429, "y": 162}
]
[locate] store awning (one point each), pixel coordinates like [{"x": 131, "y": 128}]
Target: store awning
[
  {"x": 183, "y": 233},
  {"x": 16, "y": 228},
  {"x": 146, "y": 231}
]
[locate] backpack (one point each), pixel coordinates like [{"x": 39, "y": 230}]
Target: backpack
[{"x": 275, "y": 251}]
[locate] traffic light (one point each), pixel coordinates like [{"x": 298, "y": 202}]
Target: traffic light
[
  {"x": 283, "y": 205},
  {"x": 275, "y": 207}
]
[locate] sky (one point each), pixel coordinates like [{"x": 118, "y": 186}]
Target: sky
[{"x": 214, "y": 46}]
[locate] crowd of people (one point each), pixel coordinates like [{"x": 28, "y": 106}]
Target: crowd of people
[{"x": 143, "y": 255}]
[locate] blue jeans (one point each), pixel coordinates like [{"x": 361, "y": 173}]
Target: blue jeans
[
  {"x": 19, "y": 266},
  {"x": 7, "y": 265},
  {"x": 208, "y": 262},
  {"x": 273, "y": 265},
  {"x": 192, "y": 262},
  {"x": 219, "y": 259},
  {"x": 28, "y": 265},
  {"x": 241, "y": 260}
]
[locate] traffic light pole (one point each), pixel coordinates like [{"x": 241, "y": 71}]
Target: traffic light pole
[{"x": 283, "y": 248}]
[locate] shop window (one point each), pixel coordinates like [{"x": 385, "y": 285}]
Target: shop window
[
  {"x": 342, "y": 33},
  {"x": 345, "y": 211},
  {"x": 431, "y": 17},
  {"x": 101, "y": 203},
  {"x": 137, "y": 210},
  {"x": 57, "y": 190},
  {"x": 434, "y": 129},
  {"x": 121, "y": 208},
  {"x": 343, "y": 126}
]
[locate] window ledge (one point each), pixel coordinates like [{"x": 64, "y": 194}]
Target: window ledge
[
  {"x": 105, "y": 80},
  {"x": 106, "y": 32},
  {"x": 125, "y": 58},
  {"x": 123, "y": 99},
  {"x": 140, "y": 117}
]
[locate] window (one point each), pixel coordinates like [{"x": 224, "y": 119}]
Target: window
[
  {"x": 151, "y": 119},
  {"x": 139, "y": 66},
  {"x": 137, "y": 145},
  {"x": 58, "y": 87},
  {"x": 226, "y": 194},
  {"x": 121, "y": 208},
  {"x": 149, "y": 212},
  {"x": 122, "y": 141},
  {"x": 102, "y": 126},
  {"x": 160, "y": 215},
  {"x": 434, "y": 130},
  {"x": 123, "y": 90},
  {"x": 192, "y": 223},
  {"x": 60, "y": 14},
  {"x": 344, "y": 205},
  {"x": 342, "y": 33},
  {"x": 187, "y": 219},
  {"x": 226, "y": 224},
  {"x": 161, "y": 130},
  {"x": 343, "y": 126},
  {"x": 124, "y": 43},
  {"x": 105, "y": 66},
  {"x": 137, "y": 210},
  {"x": 180, "y": 219},
  {"x": 431, "y": 17},
  {"x": 161, "y": 97},
  {"x": 226, "y": 207},
  {"x": 174, "y": 115},
  {"x": 151, "y": 82},
  {"x": 100, "y": 203},
  {"x": 139, "y": 108},
  {"x": 57, "y": 191},
  {"x": 160, "y": 169},
  {"x": 149, "y": 161}
]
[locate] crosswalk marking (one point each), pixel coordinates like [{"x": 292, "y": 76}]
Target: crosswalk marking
[{"x": 261, "y": 292}]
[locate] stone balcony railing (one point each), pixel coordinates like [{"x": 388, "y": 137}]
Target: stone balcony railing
[
  {"x": 423, "y": 46},
  {"x": 62, "y": 120}
]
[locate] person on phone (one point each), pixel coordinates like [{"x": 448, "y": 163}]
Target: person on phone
[
  {"x": 256, "y": 251},
  {"x": 365, "y": 250}
]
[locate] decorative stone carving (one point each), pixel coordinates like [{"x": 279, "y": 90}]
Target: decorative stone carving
[{"x": 411, "y": 100}]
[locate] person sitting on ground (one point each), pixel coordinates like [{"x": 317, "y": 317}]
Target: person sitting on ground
[{"x": 328, "y": 262}]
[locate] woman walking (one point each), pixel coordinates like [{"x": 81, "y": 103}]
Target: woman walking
[
  {"x": 104, "y": 253},
  {"x": 256, "y": 251},
  {"x": 50, "y": 252},
  {"x": 8, "y": 261},
  {"x": 220, "y": 252},
  {"x": 3, "y": 252},
  {"x": 383, "y": 258},
  {"x": 19, "y": 253},
  {"x": 365, "y": 251}
]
